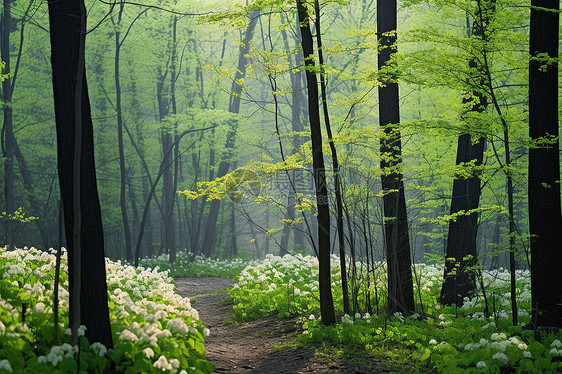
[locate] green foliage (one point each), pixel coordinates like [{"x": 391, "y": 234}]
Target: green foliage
[
  {"x": 2, "y": 75},
  {"x": 200, "y": 266},
  {"x": 19, "y": 215},
  {"x": 153, "y": 328},
  {"x": 449, "y": 339}
]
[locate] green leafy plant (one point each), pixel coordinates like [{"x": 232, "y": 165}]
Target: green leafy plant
[
  {"x": 447, "y": 338},
  {"x": 154, "y": 329}
]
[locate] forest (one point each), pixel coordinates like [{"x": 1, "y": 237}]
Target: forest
[{"x": 367, "y": 186}]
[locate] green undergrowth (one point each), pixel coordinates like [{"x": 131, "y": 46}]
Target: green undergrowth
[
  {"x": 154, "y": 329},
  {"x": 198, "y": 267},
  {"x": 436, "y": 338}
]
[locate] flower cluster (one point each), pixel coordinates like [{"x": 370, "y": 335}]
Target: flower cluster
[
  {"x": 452, "y": 339},
  {"x": 145, "y": 312}
]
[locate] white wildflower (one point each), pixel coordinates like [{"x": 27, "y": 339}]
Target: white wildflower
[
  {"x": 433, "y": 341},
  {"x": 527, "y": 354},
  {"x": 482, "y": 365},
  {"x": 500, "y": 356},
  {"x": 128, "y": 335},
  {"x": 82, "y": 330},
  {"x": 148, "y": 352},
  {"x": 163, "y": 334},
  {"x": 5, "y": 365},
  {"x": 556, "y": 343},
  {"x": 178, "y": 326},
  {"x": 162, "y": 364},
  {"x": 39, "y": 308},
  {"x": 399, "y": 316},
  {"x": 175, "y": 363},
  {"x": 99, "y": 349}
]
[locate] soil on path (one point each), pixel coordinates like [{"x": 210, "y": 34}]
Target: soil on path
[{"x": 264, "y": 346}]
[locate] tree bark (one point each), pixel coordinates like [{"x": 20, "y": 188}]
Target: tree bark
[
  {"x": 7, "y": 126},
  {"x": 397, "y": 240},
  {"x": 335, "y": 165},
  {"x": 323, "y": 210},
  {"x": 461, "y": 257},
  {"x": 122, "y": 169},
  {"x": 545, "y": 219},
  {"x": 66, "y": 19},
  {"x": 459, "y": 276}
]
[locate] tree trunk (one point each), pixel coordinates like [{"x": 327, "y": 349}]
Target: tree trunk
[
  {"x": 459, "y": 276},
  {"x": 170, "y": 179},
  {"x": 233, "y": 107},
  {"x": 319, "y": 171},
  {"x": 545, "y": 219},
  {"x": 122, "y": 170},
  {"x": 167, "y": 179},
  {"x": 335, "y": 165},
  {"x": 461, "y": 257},
  {"x": 66, "y": 21},
  {"x": 7, "y": 127},
  {"x": 397, "y": 241}
]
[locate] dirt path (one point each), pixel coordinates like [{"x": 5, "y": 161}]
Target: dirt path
[{"x": 251, "y": 347}]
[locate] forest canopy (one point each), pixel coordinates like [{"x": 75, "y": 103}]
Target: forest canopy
[{"x": 411, "y": 132}]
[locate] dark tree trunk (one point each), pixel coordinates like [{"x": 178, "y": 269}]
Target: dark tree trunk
[
  {"x": 545, "y": 220},
  {"x": 397, "y": 241},
  {"x": 461, "y": 257},
  {"x": 460, "y": 279},
  {"x": 7, "y": 126},
  {"x": 166, "y": 136},
  {"x": 335, "y": 164},
  {"x": 171, "y": 179},
  {"x": 122, "y": 169},
  {"x": 66, "y": 21},
  {"x": 233, "y": 107},
  {"x": 319, "y": 171}
]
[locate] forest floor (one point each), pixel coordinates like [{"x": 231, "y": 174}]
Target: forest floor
[{"x": 267, "y": 345}]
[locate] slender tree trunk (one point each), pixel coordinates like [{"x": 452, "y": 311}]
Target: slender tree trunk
[
  {"x": 397, "y": 240},
  {"x": 167, "y": 177},
  {"x": 323, "y": 211},
  {"x": 335, "y": 164},
  {"x": 67, "y": 22},
  {"x": 122, "y": 169},
  {"x": 7, "y": 126},
  {"x": 233, "y": 107},
  {"x": 545, "y": 219},
  {"x": 171, "y": 179}
]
